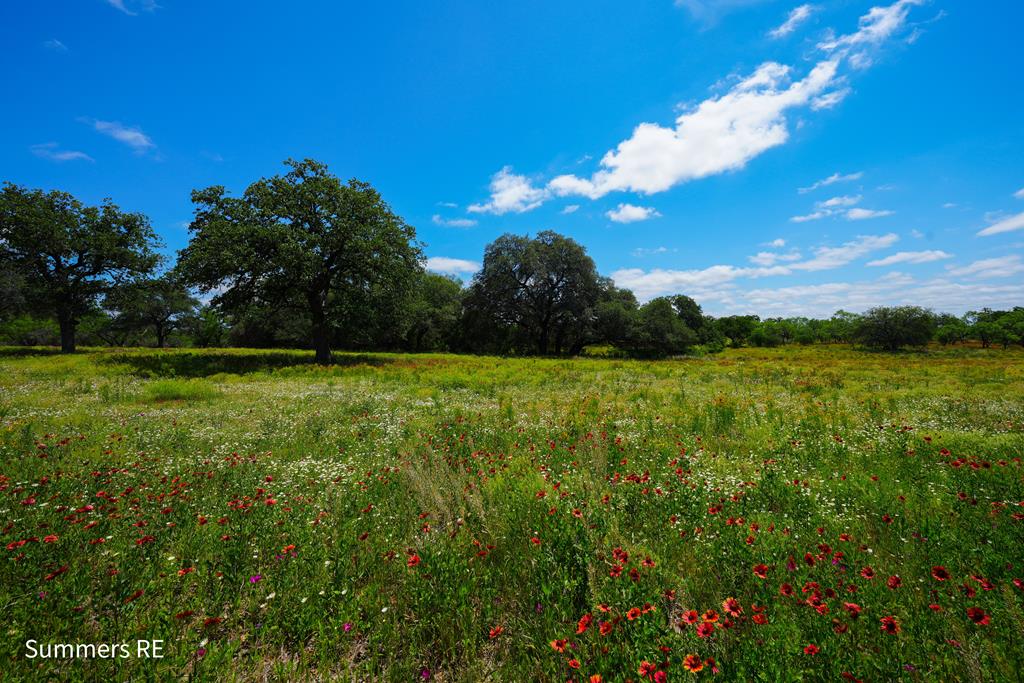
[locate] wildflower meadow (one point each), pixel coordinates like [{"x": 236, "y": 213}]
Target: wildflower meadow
[{"x": 817, "y": 513}]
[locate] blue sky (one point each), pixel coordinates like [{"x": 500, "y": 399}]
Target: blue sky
[{"x": 763, "y": 156}]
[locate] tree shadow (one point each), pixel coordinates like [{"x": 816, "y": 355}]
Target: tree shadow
[
  {"x": 25, "y": 351},
  {"x": 191, "y": 364}
]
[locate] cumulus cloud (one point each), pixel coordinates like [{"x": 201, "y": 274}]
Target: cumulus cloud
[
  {"x": 131, "y": 136},
  {"x": 437, "y": 219},
  {"x": 1006, "y": 225},
  {"x": 720, "y": 134},
  {"x": 1001, "y": 266},
  {"x": 911, "y": 257},
  {"x": 777, "y": 243},
  {"x": 53, "y": 152},
  {"x": 796, "y": 17},
  {"x": 455, "y": 266},
  {"x": 510, "y": 193},
  {"x": 630, "y": 213},
  {"x": 832, "y": 180},
  {"x": 834, "y": 257}
]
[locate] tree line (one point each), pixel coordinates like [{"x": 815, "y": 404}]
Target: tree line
[{"x": 305, "y": 259}]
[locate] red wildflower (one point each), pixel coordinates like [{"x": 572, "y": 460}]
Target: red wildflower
[
  {"x": 978, "y": 616},
  {"x": 939, "y": 573},
  {"x": 134, "y": 596},
  {"x": 605, "y": 627},
  {"x": 50, "y": 539},
  {"x": 811, "y": 649},
  {"x": 761, "y": 571},
  {"x": 413, "y": 560},
  {"x": 633, "y": 613},
  {"x": 646, "y": 669},
  {"x": 691, "y": 617},
  {"x": 868, "y": 573},
  {"x": 558, "y": 645},
  {"x": 890, "y": 625},
  {"x": 732, "y": 607},
  {"x": 894, "y": 582},
  {"x": 706, "y": 629},
  {"x": 693, "y": 663},
  {"x": 584, "y": 623},
  {"x": 496, "y": 631}
]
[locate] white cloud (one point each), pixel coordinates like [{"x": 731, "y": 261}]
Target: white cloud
[
  {"x": 511, "y": 192},
  {"x": 916, "y": 233},
  {"x": 911, "y": 257},
  {"x": 133, "y": 7},
  {"x": 878, "y": 25},
  {"x": 648, "y": 251},
  {"x": 834, "y": 257},
  {"x": 721, "y": 134},
  {"x": 709, "y": 11},
  {"x": 452, "y": 222},
  {"x": 55, "y": 45},
  {"x": 448, "y": 205},
  {"x": 796, "y": 17},
  {"x": 443, "y": 264},
  {"x": 770, "y": 258},
  {"x": 52, "y": 151},
  {"x": 865, "y": 214},
  {"x": 845, "y": 200},
  {"x": 571, "y": 208},
  {"x": 1002, "y": 266},
  {"x": 630, "y": 213},
  {"x": 832, "y": 180},
  {"x": 133, "y": 137},
  {"x": 1019, "y": 194},
  {"x": 811, "y": 216},
  {"x": 830, "y": 99},
  {"x": 777, "y": 243},
  {"x": 648, "y": 284}
]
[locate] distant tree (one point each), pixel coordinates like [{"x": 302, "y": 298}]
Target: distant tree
[
  {"x": 69, "y": 254},
  {"x": 433, "y": 313},
  {"x": 616, "y": 316},
  {"x": 661, "y": 331},
  {"x": 305, "y": 241},
  {"x": 893, "y": 328},
  {"x": 737, "y": 328},
  {"x": 206, "y": 328},
  {"x": 950, "y": 329},
  {"x": 160, "y": 304},
  {"x": 544, "y": 288},
  {"x": 840, "y": 327}
]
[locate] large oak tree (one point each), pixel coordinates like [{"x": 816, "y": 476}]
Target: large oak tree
[
  {"x": 68, "y": 254},
  {"x": 303, "y": 240}
]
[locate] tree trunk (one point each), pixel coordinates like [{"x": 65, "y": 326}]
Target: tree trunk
[
  {"x": 67, "y": 322},
  {"x": 321, "y": 333},
  {"x": 159, "y": 329}
]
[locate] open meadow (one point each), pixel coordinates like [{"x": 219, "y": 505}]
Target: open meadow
[{"x": 812, "y": 513}]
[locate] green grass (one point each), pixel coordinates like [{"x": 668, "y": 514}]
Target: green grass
[{"x": 187, "y": 474}]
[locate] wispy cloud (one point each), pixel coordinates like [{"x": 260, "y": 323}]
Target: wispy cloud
[
  {"x": 630, "y": 213},
  {"x": 1019, "y": 194},
  {"x": 650, "y": 251},
  {"x": 55, "y": 45},
  {"x": 867, "y": 214},
  {"x": 133, "y": 7},
  {"x": 1002, "y": 266},
  {"x": 651, "y": 283},
  {"x": 832, "y": 180},
  {"x": 53, "y": 152},
  {"x": 457, "y": 266},
  {"x": 571, "y": 208},
  {"x": 1005, "y": 225},
  {"x": 875, "y": 27},
  {"x": 131, "y": 136},
  {"x": 770, "y": 258},
  {"x": 796, "y": 17},
  {"x": 911, "y": 257},
  {"x": 437, "y": 219}
]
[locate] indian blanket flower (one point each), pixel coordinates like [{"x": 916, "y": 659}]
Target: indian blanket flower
[{"x": 890, "y": 625}]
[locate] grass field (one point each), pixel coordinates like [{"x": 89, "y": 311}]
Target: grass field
[{"x": 795, "y": 514}]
